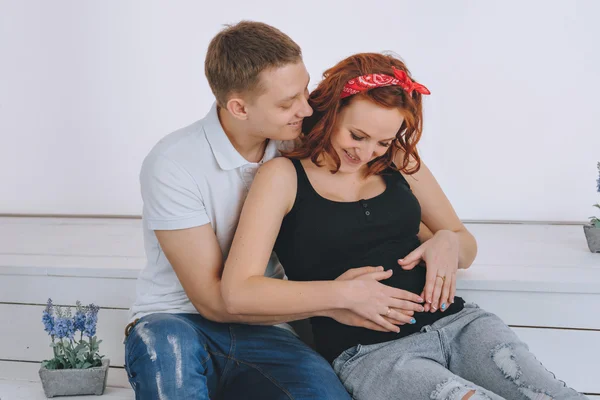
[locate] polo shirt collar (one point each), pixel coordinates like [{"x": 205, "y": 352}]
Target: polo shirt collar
[{"x": 226, "y": 155}]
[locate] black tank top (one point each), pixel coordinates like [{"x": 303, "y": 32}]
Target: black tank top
[{"x": 320, "y": 239}]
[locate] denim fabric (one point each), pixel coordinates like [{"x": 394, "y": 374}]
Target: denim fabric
[
  {"x": 472, "y": 350},
  {"x": 185, "y": 356}
]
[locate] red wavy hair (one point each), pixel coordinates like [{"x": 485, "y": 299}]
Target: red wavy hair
[{"x": 327, "y": 105}]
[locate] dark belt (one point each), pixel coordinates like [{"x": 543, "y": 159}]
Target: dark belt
[{"x": 130, "y": 326}]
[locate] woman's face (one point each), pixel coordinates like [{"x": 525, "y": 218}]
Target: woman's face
[{"x": 364, "y": 132}]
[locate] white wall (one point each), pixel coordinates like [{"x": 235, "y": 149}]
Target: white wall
[{"x": 86, "y": 88}]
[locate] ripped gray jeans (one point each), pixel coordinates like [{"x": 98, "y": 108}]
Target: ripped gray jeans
[{"x": 472, "y": 350}]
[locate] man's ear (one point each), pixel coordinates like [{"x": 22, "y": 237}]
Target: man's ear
[{"x": 237, "y": 107}]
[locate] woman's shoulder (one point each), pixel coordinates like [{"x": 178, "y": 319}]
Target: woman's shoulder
[
  {"x": 278, "y": 173},
  {"x": 277, "y": 177},
  {"x": 279, "y": 167}
]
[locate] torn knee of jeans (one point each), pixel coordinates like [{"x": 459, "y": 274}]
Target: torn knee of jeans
[
  {"x": 451, "y": 389},
  {"x": 504, "y": 358}
]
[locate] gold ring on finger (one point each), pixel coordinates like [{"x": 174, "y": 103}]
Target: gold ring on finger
[{"x": 443, "y": 277}]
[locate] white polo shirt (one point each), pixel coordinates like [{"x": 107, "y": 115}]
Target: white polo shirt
[{"x": 192, "y": 177}]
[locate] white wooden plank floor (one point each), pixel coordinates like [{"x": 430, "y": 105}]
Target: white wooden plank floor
[{"x": 23, "y": 390}]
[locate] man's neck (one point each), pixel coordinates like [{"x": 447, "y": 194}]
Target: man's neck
[{"x": 251, "y": 147}]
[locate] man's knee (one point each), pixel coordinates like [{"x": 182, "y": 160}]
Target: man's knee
[
  {"x": 162, "y": 340},
  {"x": 164, "y": 354}
]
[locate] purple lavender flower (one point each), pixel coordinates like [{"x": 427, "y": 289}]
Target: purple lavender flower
[
  {"x": 70, "y": 324},
  {"x": 79, "y": 318},
  {"x": 48, "y": 318},
  {"x": 61, "y": 327},
  {"x": 91, "y": 318},
  {"x": 64, "y": 328},
  {"x": 49, "y": 306},
  {"x": 63, "y": 324},
  {"x": 70, "y": 328}
]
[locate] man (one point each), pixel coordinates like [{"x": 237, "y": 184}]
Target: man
[{"x": 181, "y": 342}]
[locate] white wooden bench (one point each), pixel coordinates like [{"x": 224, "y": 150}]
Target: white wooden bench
[{"x": 541, "y": 279}]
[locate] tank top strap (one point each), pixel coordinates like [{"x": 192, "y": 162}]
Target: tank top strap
[
  {"x": 395, "y": 178},
  {"x": 304, "y": 185}
]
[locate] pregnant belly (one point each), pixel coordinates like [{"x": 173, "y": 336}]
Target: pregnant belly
[
  {"x": 412, "y": 280},
  {"x": 387, "y": 255}
]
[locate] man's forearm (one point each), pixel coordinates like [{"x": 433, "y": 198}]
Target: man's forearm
[
  {"x": 216, "y": 311},
  {"x": 274, "y": 320}
]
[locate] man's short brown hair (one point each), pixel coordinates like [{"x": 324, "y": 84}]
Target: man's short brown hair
[{"x": 240, "y": 52}]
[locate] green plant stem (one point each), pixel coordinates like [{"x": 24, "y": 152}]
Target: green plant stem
[
  {"x": 91, "y": 353},
  {"x": 54, "y": 347},
  {"x": 61, "y": 348}
]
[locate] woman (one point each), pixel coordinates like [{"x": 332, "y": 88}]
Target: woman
[{"x": 341, "y": 200}]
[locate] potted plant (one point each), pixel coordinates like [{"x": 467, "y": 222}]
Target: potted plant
[
  {"x": 592, "y": 231},
  {"x": 77, "y": 368}
]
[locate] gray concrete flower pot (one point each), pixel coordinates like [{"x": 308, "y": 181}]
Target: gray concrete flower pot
[
  {"x": 592, "y": 235},
  {"x": 70, "y": 382}
]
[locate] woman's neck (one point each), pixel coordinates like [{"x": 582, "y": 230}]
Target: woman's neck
[{"x": 328, "y": 163}]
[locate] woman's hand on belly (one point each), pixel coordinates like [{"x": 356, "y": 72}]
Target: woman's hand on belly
[
  {"x": 373, "y": 305},
  {"x": 441, "y": 256},
  {"x": 397, "y": 317}
]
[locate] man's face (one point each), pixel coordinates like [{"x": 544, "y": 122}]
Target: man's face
[{"x": 277, "y": 113}]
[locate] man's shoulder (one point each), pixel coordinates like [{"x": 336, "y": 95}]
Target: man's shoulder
[
  {"x": 187, "y": 148},
  {"x": 181, "y": 143}
]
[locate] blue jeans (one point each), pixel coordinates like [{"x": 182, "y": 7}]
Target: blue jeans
[{"x": 185, "y": 356}]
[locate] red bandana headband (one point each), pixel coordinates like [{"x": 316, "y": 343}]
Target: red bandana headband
[{"x": 372, "y": 81}]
